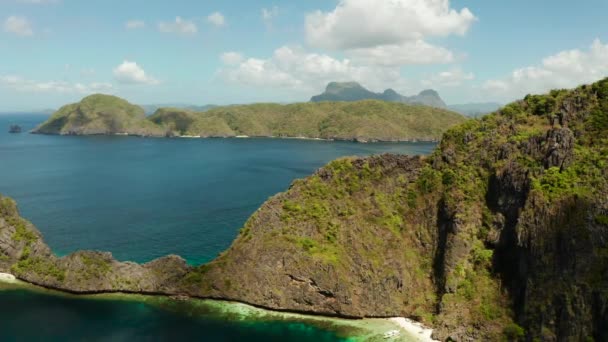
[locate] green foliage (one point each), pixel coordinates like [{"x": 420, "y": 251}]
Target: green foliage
[
  {"x": 602, "y": 219},
  {"x": 8, "y": 207},
  {"x": 39, "y": 266},
  {"x": 95, "y": 266},
  {"x": 97, "y": 114},
  {"x": 448, "y": 177},
  {"x": 514, "y": 332},
  {"x": 101, "y": 114},
  {"x": 292, "y": 207},
  {"x": 556, "y": 184},
  {"x": 429, "y": 180},
  {"x": 22, "y": 233},
  {"x": 540, "y": 105},
  {"x": 411, "y": 198},
  {"x": 307, "y": 244},
  {"x": 196, "y": 275},
  {"x": 481, "y": 256}
]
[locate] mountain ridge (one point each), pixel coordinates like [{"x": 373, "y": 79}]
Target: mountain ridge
[{"x": 353, "y": 91}]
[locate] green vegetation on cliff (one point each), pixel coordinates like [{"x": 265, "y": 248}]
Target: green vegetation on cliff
[
  {"x": 365, "y": 120},
  {"x": 501, "y": 234}
]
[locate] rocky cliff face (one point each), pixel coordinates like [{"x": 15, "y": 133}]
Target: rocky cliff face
[
  {"x": 24, "y": 254},
  {"x": 502, "y": 233}
]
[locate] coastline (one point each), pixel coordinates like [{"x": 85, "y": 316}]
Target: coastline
[
  {"x": 363, "y": 140},
  {"x": 366, "y": 329}
]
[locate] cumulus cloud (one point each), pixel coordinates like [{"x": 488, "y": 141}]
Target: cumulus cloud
[
  {"x": 451, "y": 78},
  {"x": 371, "y": 23},
  {"x": 414, "y": 52},
  {"x": 216, "y": 19},
  {"x": 301, "y": 71},
  {"x": 131, "y": 73},
  {"x": 565, "y": 69},
  {"x": 180, "y": 26},
  {"x": 18, "y": 25},
  {"x": 19, "y": 83},
  {"x": 135, "y": 24},
  {"x": 231, "y": 58}
]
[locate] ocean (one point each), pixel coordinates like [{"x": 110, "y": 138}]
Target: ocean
[{"x": 142, "y": 198}]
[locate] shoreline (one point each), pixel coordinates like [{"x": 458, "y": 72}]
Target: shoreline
[
  {"x": 330, "y": 139},
  {"x": 362, "y": 329}
]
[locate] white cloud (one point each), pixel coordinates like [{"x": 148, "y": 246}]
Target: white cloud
[
  {"x": 269, "y": 14},
  {"x": 25, "y": 85},
  {"x": 217, "y": 19},
  {"x": 371, "y": 23},
  {"x": 131, "y": 73},
  {"x": 414, "y": 52},
  {"x": 451, "y": 78},
  {"x": 306, "y": 72},
  {"x": 231, "y": 58},
  {"x": 18, "y": 25},
  {"x": 565, "y": 69},
  {"x": 180, "y": 26},
  {"x": 135, "y": 24}
]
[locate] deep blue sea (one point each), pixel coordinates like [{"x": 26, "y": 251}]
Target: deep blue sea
[{"x": 142, "y": 198}]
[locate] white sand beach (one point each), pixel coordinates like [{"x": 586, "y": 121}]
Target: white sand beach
[
  {"x": 7, "y": 278},
  {"x": 414, "y": 329}
]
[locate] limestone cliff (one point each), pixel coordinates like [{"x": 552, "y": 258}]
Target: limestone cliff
[
  {"x": 24, "y": 254},
  {"x": 502, "y": 233}
]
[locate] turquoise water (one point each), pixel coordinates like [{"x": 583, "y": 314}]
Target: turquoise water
[
  {"x": 142, "y": 199},
  {"x": 30, "y": 316}
]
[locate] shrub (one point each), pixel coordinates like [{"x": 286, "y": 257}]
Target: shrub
[{"x": 514, "y": 332}]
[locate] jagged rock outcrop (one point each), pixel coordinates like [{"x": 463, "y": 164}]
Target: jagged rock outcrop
[
  {"x": 502, "y": 233},
  {"x": 24, "y": 254}
]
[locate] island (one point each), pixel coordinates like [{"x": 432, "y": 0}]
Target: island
[
  {"x": 500, "y": 234},
  {"x": 353, "y": 91},
  {"x": 14, "y": 129},
  {"x": 363, "y": 121}
]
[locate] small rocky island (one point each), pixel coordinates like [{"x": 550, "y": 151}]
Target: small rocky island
[
  {"x": 500, "y": 234},
  {"x": 14, "y": 129}
]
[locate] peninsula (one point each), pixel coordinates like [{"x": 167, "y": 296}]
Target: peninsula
[
  {"x": 502, "y": 233},
  {"x": 364, "y": 121}
]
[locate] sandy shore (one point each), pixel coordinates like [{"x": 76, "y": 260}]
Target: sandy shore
[
  {"x": 7, "y": 278},
  {"x": 415, "y": 329}
]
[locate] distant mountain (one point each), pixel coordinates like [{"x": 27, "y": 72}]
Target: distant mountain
[
  {"x": 475, "y": 109},
  {"x": 151, "y": 109},
  {"x": 353, "y": 91}
]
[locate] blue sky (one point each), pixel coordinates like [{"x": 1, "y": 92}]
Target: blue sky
[{"x": 199, "y": 52}]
